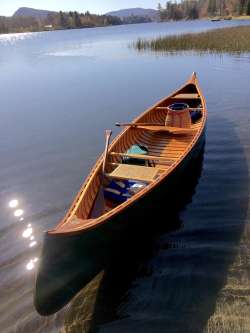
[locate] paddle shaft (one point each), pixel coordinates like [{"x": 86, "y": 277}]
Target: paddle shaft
[
  {"x": 138, "y": 124},
  {"x": 105, "y": 154},
  {"x": 149, "y": 124}
]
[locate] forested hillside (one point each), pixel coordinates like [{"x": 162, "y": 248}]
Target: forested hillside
[
  {"x": 28, "y": 19},
  {"x": 55, "y": 21},
  {"x": 194, "y": 9}
]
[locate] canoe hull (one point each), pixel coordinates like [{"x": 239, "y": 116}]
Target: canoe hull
[{"x": 69, "y": 262}]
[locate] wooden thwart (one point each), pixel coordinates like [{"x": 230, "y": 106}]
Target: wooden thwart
[
  {"x": 134, "y": 172},
  {"x": 168, "y": 129},
  {"x": 157, "y": 127},
  {"x": 166, "y": 108},
  {"x": 144, "y": 157},
  {"x": 162, "y": 168}
]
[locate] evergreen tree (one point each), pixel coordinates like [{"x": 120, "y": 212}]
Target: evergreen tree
[
  {"x": 212, "y": 7},
  {"x": 241, "y": 6},
  {"x": 63, "y": 22},
  {"x": 77, "y": 20},
  {"x": 248, "y": 8}
]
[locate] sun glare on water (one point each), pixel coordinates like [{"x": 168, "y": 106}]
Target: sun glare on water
[{"x": 13, "y": 203}]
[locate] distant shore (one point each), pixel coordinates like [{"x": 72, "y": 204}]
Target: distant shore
[
  {"x": 242, "y": 17},
  {"x": 215, "y": 18}
]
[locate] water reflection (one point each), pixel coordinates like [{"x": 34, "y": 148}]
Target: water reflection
[
  {"x": 16, "y": 37},
  {"x": 18, "y": 212},
  {"x": 13, "y": 203},
  {"x": 31, "y": 264},
  {"x": 27, "y": 233}
]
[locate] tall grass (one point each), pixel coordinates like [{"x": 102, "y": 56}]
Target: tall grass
[{"x": 223, "y": 40}]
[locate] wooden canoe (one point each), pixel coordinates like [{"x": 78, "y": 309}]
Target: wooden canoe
[{"x": 76, "y": 249}]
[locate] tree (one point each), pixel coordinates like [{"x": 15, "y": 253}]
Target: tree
[
  {"x": 193, "y": 14},
  {"x": 77, "y": 19},
  {"x": 159, "y": 7},
  {"x": 212, "y": 7},
  {"x": 248, "y": 8},
  {"x": 3, "y": 25},
  {"x": 241, "y": 6},
  {"x": 63, "y": 22}
]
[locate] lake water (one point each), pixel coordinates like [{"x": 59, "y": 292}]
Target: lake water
[{"x": 59, "y": 91}]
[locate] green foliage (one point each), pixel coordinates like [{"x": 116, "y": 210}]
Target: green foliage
[
  {"x": 193, "y": 9},
  {"x": 212, "y": 9},
  {"x": 59, "y": 20},
  {"x": 132, "y": 19},
  {"x": 242, "y": 4},
  {"x": 248, "y": 8},
  {"x": 184, "y": 9}
]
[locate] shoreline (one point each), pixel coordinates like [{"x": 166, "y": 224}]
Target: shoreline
[{"x": 236, "y": 18}]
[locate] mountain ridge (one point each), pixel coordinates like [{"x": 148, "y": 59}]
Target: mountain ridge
[
  {"x": 37, "y": 13},
  {"x": 137, "y": 11},
  {"x": 121, "y": 13}
]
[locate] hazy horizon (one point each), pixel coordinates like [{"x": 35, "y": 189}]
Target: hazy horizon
[{"x": 8, "y": 8}]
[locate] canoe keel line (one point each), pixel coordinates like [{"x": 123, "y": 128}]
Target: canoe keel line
[{"x": 81, "y": 244}]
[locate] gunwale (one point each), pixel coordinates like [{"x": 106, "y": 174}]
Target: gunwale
[{"x": 88, "y": 224}]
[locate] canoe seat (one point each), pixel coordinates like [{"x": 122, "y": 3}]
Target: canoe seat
[
  {"x": 186, "y": 96},
  {"x": 134, "y": 172}
]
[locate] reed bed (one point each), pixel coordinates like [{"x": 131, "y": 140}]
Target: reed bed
[{"x": 223, "y": 40}]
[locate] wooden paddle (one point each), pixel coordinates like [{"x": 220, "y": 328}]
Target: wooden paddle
[
  {"x": 154, "y": 127},
  {"x": 137, "y": 124},
  {"x": 99, "y": 204},
  {"x": 105, "y": 154}
]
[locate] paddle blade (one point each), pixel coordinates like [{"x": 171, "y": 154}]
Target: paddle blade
[
  {"x": 99, "y": 204},
  {"x": 108, "y": 133}
]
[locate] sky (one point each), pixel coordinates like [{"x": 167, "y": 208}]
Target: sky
[{"x": 8, "y": 7}]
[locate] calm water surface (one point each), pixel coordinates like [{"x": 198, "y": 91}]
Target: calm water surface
[{"x": 59, "y": 92}]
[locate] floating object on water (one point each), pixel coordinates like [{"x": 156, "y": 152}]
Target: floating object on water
[{"x": 79, "y": 246}]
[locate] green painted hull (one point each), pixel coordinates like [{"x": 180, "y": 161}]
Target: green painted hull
[{"x": 69, "y": 262}]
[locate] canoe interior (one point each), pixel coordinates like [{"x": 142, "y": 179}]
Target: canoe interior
[{"x": 169, "y": 147}]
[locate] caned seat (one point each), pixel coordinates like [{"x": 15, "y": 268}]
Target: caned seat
[
  {"x": 186, "y": 96},
  {"x": 134, "y": 172}
]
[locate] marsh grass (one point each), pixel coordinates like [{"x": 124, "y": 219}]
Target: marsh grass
[{"x": 223, "y": 40}]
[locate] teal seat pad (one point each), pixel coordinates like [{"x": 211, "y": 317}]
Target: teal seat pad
[{"x": 137, "y": 150}]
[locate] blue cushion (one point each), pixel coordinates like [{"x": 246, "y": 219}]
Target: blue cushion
[{"x": 118, "y": 190}]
